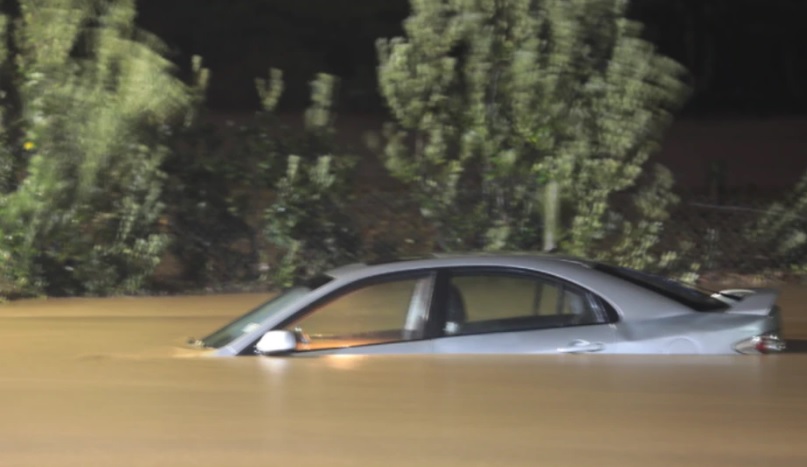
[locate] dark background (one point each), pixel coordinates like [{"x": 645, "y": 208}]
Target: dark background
[{"x": 747, "y": 56}]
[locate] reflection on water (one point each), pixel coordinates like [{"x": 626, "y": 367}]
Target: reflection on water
[{"x": 97, "y": 383}]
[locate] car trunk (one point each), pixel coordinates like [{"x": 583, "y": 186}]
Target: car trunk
[{"x": 756, "y": 302}]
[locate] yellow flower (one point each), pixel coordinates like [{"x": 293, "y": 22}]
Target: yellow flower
[{"x": 28, "y": 145}]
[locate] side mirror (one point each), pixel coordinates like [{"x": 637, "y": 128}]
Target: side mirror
[{"x": 276, "y": 342}]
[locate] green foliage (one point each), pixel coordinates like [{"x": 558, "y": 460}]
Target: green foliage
[
  {"x": 493, "y": 99},
  {"x": 79, "y": 211},
  {"x": 8, "y": 159},
  {"x": 635, "y": 235},
  {"x": 780, "y": 234},
  {"x": 282, "y": 191},
  {"x": 207, "y": 195},
  {"x": 308, "y": 221}
]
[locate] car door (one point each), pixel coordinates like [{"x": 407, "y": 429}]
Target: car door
[
  {"x": 498, "y": 310},
  {"x": 386, "y": 315}
]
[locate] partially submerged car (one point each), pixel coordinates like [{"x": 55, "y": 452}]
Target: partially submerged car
[{"x": 501, "y": 304}]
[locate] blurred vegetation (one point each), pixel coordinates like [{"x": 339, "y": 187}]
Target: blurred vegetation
[
  {"x": 512, "y": 122},
  {"x": 274, "y": 199},
  {"x": 207, "y": 195},
  {"x": 308, "y": 221},
  {"x": 493, "y": 101},
  {"x": 779, "y": 235},
  {"x": 86, "y": 102}
]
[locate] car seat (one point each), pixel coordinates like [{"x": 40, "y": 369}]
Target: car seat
[{"x": 455, "y": 311}]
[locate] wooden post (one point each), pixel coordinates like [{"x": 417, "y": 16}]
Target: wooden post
[{"x": 551, "y": 215}]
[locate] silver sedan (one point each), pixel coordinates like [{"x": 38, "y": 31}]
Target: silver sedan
[{"x": 501, "y": 304}]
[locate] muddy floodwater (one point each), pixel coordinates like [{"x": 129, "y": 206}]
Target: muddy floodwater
[{"x": 105, "y": 382}]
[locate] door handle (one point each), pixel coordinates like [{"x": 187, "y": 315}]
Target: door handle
[{"x": 580, "y": 346}]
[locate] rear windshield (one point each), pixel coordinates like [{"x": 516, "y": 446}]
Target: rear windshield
[{"x": 674, "y": 290}]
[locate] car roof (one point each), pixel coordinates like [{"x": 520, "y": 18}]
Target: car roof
[{"x": 530, "y": 260}]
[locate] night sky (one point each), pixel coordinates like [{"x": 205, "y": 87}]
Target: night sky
[{"x": 748, "y": 56}]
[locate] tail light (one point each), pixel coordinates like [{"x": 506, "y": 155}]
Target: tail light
[{"x": 763, "y": 344}]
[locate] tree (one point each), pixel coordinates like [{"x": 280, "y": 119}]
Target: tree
[
  {"x": 213, "y": 240},
  {"x": 308, "y": 222},
  {"x": 779, "y": 235},
  {"x": 284, "y": 190},
  {"x": 493, "y": 101},
  {"x": 93, "y": 98}
]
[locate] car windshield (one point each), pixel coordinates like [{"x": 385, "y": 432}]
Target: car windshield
[
  {"x": 674, "y": 290},
  {"x": 254, "y": 318}
]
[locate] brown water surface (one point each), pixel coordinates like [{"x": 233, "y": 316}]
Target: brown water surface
[{"x": 103, "y": 382}]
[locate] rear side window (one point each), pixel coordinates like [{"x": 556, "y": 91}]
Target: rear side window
[
  {"x": 674, "y": 290},
  {"x": 491, "y": 301}
]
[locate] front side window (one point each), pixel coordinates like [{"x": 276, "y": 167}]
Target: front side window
[
  {"x": 480, "y": 302},
  {"x": 253, "y": 320},
  {"x": 391, "y": 311}
]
